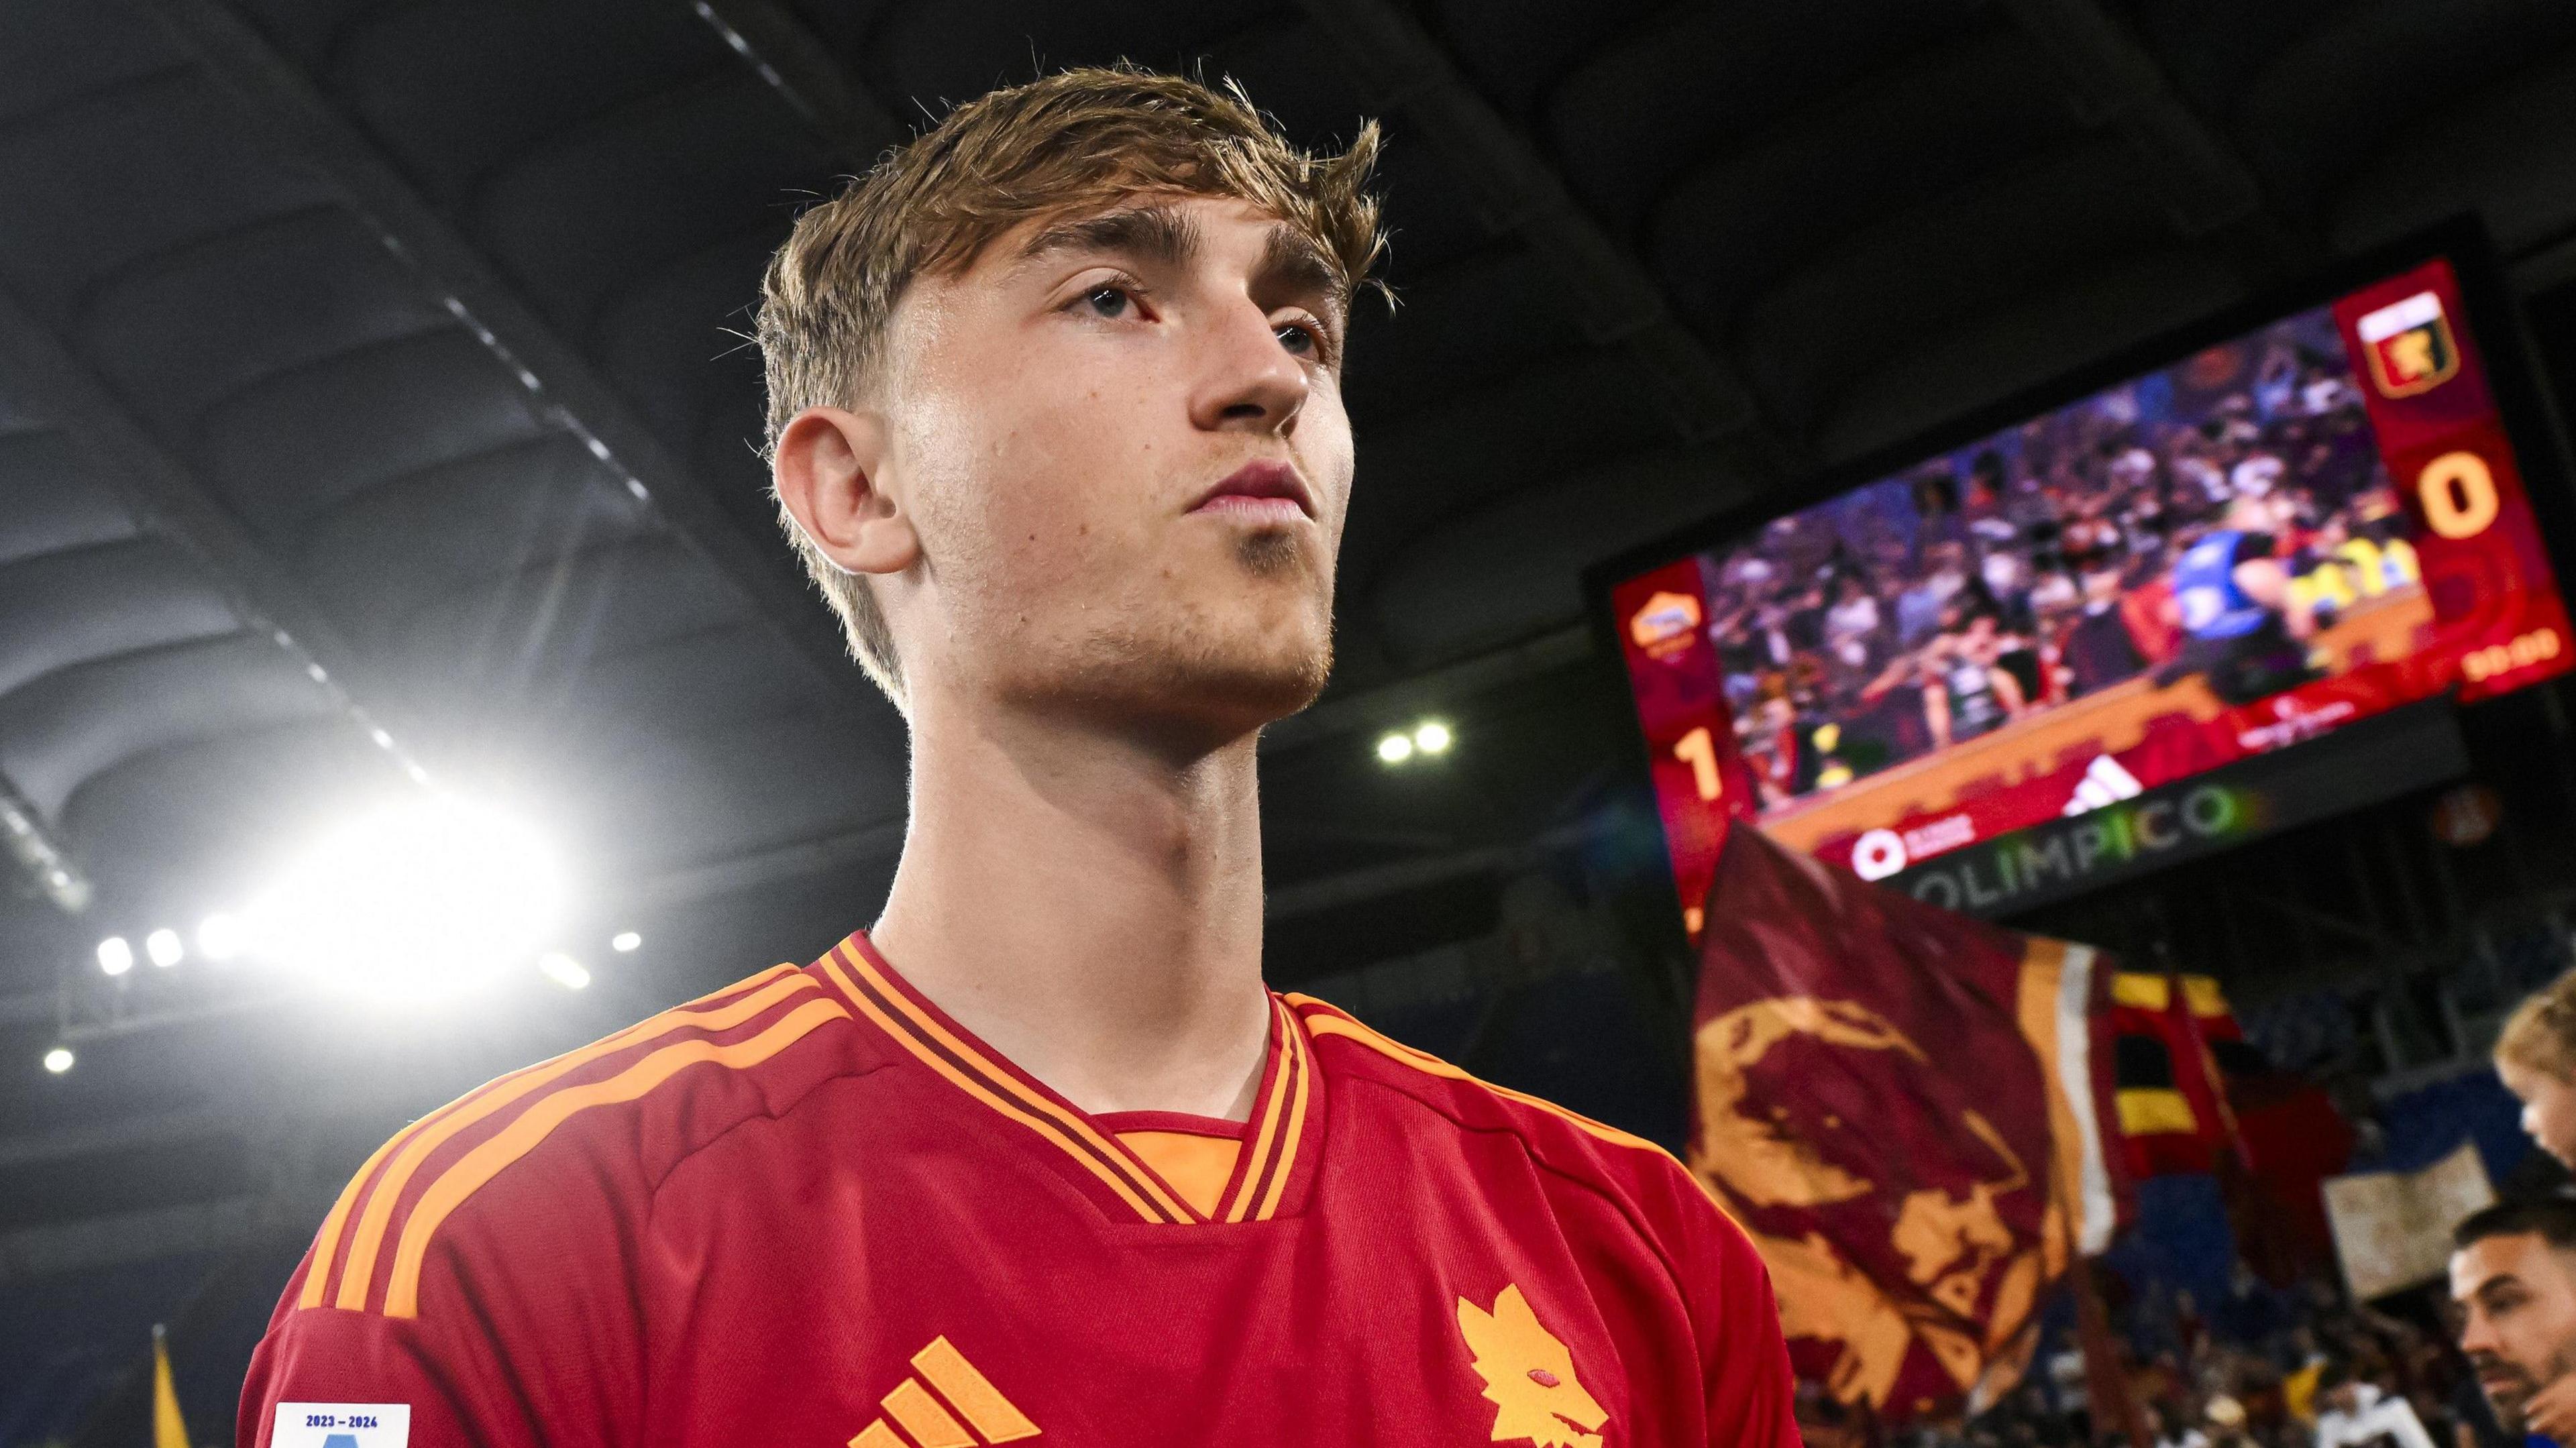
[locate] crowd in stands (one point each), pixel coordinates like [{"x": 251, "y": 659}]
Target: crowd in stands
[
  {"x": 2273, "y": 1368},
  {"x": 2037, "y": 566},
  {"x": 2493, "y": 1366}
]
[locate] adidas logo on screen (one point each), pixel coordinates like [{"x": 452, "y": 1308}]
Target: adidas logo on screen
[{"x": 2105, "y": 782}]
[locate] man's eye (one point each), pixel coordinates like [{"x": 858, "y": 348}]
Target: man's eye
[
  {"x": 1300, "y": 339},
  {"x": 1109, "y": 301}
]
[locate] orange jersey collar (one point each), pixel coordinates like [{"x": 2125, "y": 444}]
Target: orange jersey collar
[{"x": 1279, "y": 1138}]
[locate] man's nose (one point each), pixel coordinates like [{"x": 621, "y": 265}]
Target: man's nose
[
  {"x": 2477, "y": 1335},
  {"x": 1250, "y": 382}
]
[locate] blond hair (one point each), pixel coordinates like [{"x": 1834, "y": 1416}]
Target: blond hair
[
  {"x": 2540, "y": 1035},
  {"x": 1073, "y": 140}
]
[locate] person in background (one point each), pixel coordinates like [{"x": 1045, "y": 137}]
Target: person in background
[
  {"x": 2174, "y": 1429},
  {"x": 2513, "y": 1272},
  {"x": 2356, "y": 1414},
  {"x": 2226, "y": 1419},
  {"x": 2535, "y": 1056},
  {"x": 2299, "y": 1384}
]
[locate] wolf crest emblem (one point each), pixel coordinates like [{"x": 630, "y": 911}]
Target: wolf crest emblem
[{"x": 1529, "y": 1375}]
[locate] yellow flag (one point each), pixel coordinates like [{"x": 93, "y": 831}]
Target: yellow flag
[{"x": 168, "y": 1431}]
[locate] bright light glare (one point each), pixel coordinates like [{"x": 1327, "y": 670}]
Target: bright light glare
[
  {"x": 563, "y": 970},
  {"x": 421, "y": 900},
  {"x": 58, "y": 1060},
  {"x": 164, "y": 947},
  {"x": 1395, "y": 748},
  {"x": 219, "y": 936},
  {"x": 624, "y": 941},
  {"x": 1432, "y": 737},
  {"x": 115, "y": 956}
]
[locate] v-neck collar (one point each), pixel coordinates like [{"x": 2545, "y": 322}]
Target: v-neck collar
[{"x": 1271, "y": 1173}]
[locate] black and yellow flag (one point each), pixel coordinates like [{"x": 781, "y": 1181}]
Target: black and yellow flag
[{"x": 168, "y": 1430}]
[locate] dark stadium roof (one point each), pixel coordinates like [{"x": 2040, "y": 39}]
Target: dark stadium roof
[{"x": 370, "y": 398}]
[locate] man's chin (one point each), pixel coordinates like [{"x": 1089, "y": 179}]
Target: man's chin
[
  {"x": 1250, "y": 695},
  {"x": 1201, "y": 697}
]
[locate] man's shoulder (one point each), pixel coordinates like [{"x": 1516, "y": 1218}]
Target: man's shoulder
[
  {"x": 546, "y": 1158},
  {"x": 1559, "y": 1140}
]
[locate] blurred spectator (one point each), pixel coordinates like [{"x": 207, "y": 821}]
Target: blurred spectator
[
  {"x": 2356, "y": 1414},
  {"x": 2172, "y": 1431},
  {"x": 2513, "y": 1272},
  {"x": 2536, "y": 1058}
]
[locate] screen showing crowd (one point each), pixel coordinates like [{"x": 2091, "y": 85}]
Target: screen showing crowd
[
  {"x": 2312, "y": 522},
  {"x": 2209, "y": 519}
]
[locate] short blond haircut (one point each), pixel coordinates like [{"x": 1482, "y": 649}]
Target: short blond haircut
[
  {"x": 1073, "y": 141},
  {"x": 2540, "y": 1035}
]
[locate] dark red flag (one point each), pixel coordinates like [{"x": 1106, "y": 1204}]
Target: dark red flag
[
  {"x": 1907, "y": 1109},
  {"x": 2173, "y": 1111}
]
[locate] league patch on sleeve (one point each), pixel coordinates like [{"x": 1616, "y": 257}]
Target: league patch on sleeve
[{"x": 341, "y": 1425}]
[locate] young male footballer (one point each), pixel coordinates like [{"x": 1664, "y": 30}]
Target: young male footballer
[{"x": 1056, "y": 414}]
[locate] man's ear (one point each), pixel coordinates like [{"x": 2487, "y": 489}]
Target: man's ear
[{"x": 827, "y": 469}]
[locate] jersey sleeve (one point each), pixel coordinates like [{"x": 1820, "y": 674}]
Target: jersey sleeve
[
  {"x": 401, "y": 1381},
  {"x": 1744, "y": 1361},
  {"x": 525, "y": 1334}
]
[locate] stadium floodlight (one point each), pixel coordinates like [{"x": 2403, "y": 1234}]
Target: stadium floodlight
[
  {"x": 414, "y": 901},
  {"x": 1395, "y": 748},
  {"x": 1431, "y": 736},
  {"x": 164, "y": 948},
  {"x": 563, "y": 970},
  {"x": 625, "y": 941},
  {"x": 219, "y": 936},
  {"x": 115, "y": 956},
  {"x": 59, "y": 1059}
]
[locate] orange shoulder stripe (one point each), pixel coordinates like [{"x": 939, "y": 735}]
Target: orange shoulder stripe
[
  {"x": 326, "y": 1243},
  {"x": 735, "y": 1004},
  {"x": 1329, "y": 1020},
  {"x": 452, "y": 1186}
]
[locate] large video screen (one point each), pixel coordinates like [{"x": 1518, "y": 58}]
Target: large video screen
[{"x": 2268, "y": 539}]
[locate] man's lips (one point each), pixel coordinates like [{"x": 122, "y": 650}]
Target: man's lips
[
  {"x": 2503, "y": 1379},
  {"x": 1260, "y": 489}
]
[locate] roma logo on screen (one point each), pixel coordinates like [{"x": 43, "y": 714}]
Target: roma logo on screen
[
  {"x": 1664, "y": 624},
  {"x": 2410, "y": 345}
]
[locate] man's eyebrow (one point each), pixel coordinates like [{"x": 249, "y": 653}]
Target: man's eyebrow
[
  {"x": 1160, "y": 234},
  {"x": 1291, "y": 261}
]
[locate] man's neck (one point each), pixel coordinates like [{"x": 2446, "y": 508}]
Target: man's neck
[{"x": 1089, "y": 907}]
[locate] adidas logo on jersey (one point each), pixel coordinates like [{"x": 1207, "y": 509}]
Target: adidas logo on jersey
[
  {"x": 932, "y": 1420},
  {"x": 2105, "y": 782}
]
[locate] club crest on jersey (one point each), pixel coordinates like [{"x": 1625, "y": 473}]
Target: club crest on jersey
[
  {"x": 964, "y": 1411},
  {"x": 2410, "y": 346},
  {"x": 1529, "y": 1375}
]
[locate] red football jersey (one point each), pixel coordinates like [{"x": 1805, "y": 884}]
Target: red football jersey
[{"x": 812, "y": 1209}]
